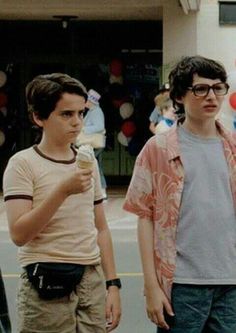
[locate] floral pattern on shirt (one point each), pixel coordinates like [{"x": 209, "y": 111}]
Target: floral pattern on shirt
[{"x": 155, "y": 193}]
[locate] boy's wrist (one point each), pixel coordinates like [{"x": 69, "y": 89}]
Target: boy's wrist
[
  {"x": 113, "y": 283},
  {"x": 62, "y": 190},
  {"x": 152, "y": 284}
]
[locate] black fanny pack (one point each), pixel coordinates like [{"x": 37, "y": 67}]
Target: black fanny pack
[{"x": 54, "y": 280}]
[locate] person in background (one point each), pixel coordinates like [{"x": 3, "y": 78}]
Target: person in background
[
  {"x": 183, "y": 190},
  {"x": 5, "y": 324},
  {"x": 94, "y": 123},
  {"x": 168, "y": 116},
  {"x": 155, "y": 116},
  {"x": 56, "y": 216}
]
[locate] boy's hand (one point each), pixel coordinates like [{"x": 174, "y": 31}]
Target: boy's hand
[
  {"x": 156, "y": 305},
  {"x": 113, "y": 308},
  {"x": 77, "y": 182}
]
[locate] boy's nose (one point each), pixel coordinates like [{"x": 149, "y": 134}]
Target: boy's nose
[
  {"x": 76, "y": 120},
  {"x": 211, "y": 94}
]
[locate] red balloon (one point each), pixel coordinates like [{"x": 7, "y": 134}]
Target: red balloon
[
  {"x": 3, "y": 99},
  {"x": 118, "y": 102},
  {"x": 232, "y": 100},
  {"x": 128, "y": 128},
  {"x": 116, "y": 67}
]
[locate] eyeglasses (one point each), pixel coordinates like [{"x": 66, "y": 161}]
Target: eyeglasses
[{"x": 202, "y": 90}]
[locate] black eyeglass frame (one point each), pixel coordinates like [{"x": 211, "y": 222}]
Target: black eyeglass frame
[{"x": 208, "y": 87}]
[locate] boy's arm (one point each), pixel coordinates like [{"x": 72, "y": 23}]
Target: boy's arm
[
  {"x": 25, "y": 223},
  {"x": 154, "y": 118},
  {"x": 113, "y": 304},
  {"x": 152, "y": 127},
  {"x": 156, "y": 300}
]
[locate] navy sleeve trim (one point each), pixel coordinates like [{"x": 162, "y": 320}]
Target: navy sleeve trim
[
  {"x": 98, "y": 201},
  {"x": 18, "y": 196}
]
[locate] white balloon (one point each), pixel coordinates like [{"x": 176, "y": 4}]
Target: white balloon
[
  {"x": 122, "y": 139},
  {"x": 116, "y": 79},
  {"x": 3, "y": 78},
  {"x": 126, "y": 110}
]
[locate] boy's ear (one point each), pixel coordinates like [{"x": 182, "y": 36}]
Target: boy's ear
[{"x": 36, "y": 119}]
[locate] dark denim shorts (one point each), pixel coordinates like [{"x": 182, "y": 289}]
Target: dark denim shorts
[{"x": 203, "y": 309}]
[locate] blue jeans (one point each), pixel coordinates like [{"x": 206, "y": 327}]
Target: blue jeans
[{"x": 203, "y": 309}]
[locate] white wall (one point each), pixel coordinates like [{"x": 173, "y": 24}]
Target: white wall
[
  {"x": 200, "y": 33},
  {"x": 197, "y": 33},
  {"x": 218, "y": 42},
  {"x": 179, "y": 34},
  {"x": 214, "y": 40}
]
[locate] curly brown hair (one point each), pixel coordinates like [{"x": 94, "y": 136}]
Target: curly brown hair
[{"x": 181, "y": 76}]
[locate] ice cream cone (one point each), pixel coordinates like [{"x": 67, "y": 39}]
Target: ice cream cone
[
  {"x": 85, "y": 157},
  {"x": 84, "y": 164}
]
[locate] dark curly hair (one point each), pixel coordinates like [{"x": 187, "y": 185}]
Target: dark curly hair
[
  {"x": 44, "y": 91},
  {"x": 181, "y": 76}
]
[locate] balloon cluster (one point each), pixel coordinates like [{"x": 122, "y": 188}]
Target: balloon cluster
[
  {"x": 116, "y": 69},
  {"x": 122, "y": 102},
  {"x": 128, "y": 127}
]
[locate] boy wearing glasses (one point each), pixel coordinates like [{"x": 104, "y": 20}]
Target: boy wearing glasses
[
  {"x": 183, "y": 190},
  {"x": 56, "y": 217}
]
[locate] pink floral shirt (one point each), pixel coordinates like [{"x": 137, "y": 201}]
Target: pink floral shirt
[{"x": 155, "y": 193}]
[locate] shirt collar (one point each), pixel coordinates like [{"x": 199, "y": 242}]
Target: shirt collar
[
  {"x": 168, "y": 121},
  {"x": 172, "y": 141}
]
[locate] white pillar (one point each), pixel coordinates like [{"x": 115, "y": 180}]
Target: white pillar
[{"x": 179, "y": 34}]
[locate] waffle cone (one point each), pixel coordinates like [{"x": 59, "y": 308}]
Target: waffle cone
[{"x": 85, "y": 164}]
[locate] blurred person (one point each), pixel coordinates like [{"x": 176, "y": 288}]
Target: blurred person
[
  {"x": 94, "y": 123},
  {"x": 168, "y": 116},
  {"x": 183, "y": 190},
  {"x": 155, "y": 115},
  {"x": 56, "y": 217}
]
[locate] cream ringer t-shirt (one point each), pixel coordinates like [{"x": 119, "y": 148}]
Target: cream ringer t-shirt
[{"x": 71, "y": 235}]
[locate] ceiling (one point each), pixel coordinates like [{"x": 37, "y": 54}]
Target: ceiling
[{"x": 82, "y": 9}]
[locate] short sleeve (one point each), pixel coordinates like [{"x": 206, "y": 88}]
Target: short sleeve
[
  {"x": 18, "y": 179},
  {"x": 98, "y": 189},
  {"x": 155, "y": 116},
  {"x": 139, "y": 198}
]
